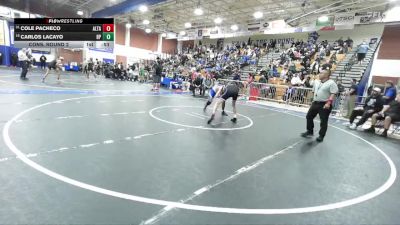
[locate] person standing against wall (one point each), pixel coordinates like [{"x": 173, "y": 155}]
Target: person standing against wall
[
  {"x": 352, "y": 95},
  {"x": 157, "y": 75},
  {"x": 14, "y": 59}
]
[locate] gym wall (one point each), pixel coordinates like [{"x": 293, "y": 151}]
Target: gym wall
[
  {"x": 121, "y": 59},
  {"x": 387, "y": 62},
  {"x": 140, "y": 44},
  {"x": 140, "y": 39},
  {"x": 71, "y": 56},
  {"x": 120, "y": 34},
  {"x": 169, "y": 46}
]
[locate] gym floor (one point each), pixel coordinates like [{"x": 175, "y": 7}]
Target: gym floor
[{"x": 111, "y": 152}]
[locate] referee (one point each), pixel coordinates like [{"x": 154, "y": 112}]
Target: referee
[{"x": 324, "y": 90}]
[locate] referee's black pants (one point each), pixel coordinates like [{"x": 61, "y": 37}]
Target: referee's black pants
[{"x": 317, "y": 108}]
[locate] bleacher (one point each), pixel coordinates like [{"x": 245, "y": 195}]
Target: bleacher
[
  {"x": 346, "y": 70},
  {"x": 262, "y": 63}
]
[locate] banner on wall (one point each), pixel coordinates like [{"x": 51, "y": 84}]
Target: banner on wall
[
  {"x": 277, "y": 24},
  {"x": 191, "y": 35},
  {"x": 172, "y": 36},
  {"x": 344, "y": 19},
  {"x": 369, "y": 17},
  {"x": 216, "y": 32},
  {"x": 277, "y": 27},
  {"x": 206, "y": 32},
  {"x": 254, "y": 26}
]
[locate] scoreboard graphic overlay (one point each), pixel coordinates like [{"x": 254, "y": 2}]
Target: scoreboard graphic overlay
[{"x": 64, "y": 33}]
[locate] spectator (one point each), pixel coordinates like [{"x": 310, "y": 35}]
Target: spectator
[
  {"x": 315, "y": 66},
  {"x": 284, "y": 73},
  {"x": 369, "y": 90},
  {"x": 340, "y": 42},
  {"x": 373, "y": 104},
  {"x": 290, "y": 91},
  {"x": 345, "y": 48},
  {"x": 14, "y": 59},
  {"x": 236, "y": 76},
  {"x": 349, "y": 42},
  {"x": 352, "y": 93},
  {"x": 362, "y": 51},
  {"x": 158, "y": 68},
  {"x": 208, "y": 83},
  {"x": 327, "y": 65},
  {"x": 250, "y": 79},
  {"x": 338, "y": 98},
  {"x": 263, "y": 79},
  {"x": 142, "y": 77},
  {"x": 333, "y": 58},
  {"x": 390, "y": 115},
  {"x": 296, "y": 81},
  {"x": 390, "y": 92},
  {"x": 307, "y": 82},
  {"x": 198, "y": 85},
  {"x": 340, "y": 86}
]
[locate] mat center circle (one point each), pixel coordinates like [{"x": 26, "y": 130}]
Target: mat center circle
[{"x": 194, "y": 117}]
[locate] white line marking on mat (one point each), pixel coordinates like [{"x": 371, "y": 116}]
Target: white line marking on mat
[
  {"x": 198, "y": 114},
  {"x": 122, "y": 113},
  {"x": 151, "y": 113},
  {"x": 140, "y": 112},
  {"x": 88, "y": 145},
  {"x": 207, "y": 188},
  {"x": 189, "y": 114},
  {"x": 69, "y": 117}
]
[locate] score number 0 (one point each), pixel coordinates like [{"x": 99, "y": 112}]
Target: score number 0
[{"x": 108, "y": 27}]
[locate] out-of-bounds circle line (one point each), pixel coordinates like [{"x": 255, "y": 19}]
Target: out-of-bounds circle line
[
  {"x": 151, "y": 113},
  {"x": 6, "y": 136}
]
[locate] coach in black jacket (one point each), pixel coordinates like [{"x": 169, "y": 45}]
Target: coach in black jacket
[{"x": 373, "y": 104}]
